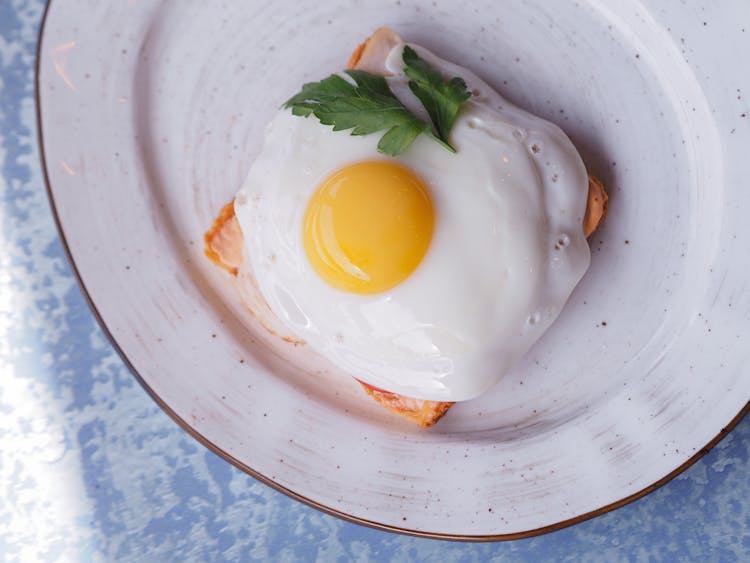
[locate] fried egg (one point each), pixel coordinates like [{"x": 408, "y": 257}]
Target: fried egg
[{"x": 429, "y": 274}]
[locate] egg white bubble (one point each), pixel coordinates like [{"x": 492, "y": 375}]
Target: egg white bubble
[{"x": 508, "y": 246}]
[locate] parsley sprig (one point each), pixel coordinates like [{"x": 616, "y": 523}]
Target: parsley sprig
[
  {"x": 441, "y": 99},
  {"x": 368, "y": 105}
]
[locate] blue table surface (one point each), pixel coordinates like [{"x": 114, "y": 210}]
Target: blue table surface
[{"x": 92, "y": 469}]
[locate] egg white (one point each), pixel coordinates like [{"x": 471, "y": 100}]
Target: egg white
[{"x": 507, "y": 250}]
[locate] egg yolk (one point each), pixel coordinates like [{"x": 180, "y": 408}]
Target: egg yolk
[{"x": 368, "y": 226}]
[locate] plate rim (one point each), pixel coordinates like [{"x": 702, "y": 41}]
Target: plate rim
[{"x": 185, "y": 426}]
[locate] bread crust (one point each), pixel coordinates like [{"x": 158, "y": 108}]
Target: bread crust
[
  {"x": 220, "y": 242},
  {"x": 597, "y": 205}
]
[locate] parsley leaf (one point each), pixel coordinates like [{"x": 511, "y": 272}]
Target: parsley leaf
[
  {"x": 441, "y": 99},
  {"x": 368, "y": 105},
  {"x": 365, "y": 107}
]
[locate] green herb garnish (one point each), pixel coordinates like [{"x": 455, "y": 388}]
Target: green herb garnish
[
  {"x": 441, "y": 99},
  {"x": 368, "y": 105}
]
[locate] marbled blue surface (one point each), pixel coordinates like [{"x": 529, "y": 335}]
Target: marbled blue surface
[{"x": 92, "y": 469}]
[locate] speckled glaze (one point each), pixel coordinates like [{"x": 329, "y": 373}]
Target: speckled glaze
[{"x": 96, "y": 442}]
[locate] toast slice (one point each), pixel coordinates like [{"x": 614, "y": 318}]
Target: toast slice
[{"x": 223, "y": 241}]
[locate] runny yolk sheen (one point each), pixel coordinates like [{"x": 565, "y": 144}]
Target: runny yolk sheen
[{"x": 368, "y": 226}]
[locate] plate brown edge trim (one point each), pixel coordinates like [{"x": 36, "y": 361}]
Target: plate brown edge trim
[{"x": 267, "y": 481}]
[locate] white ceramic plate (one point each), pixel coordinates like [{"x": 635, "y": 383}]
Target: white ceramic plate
[{"x": 151, "y": 113}]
